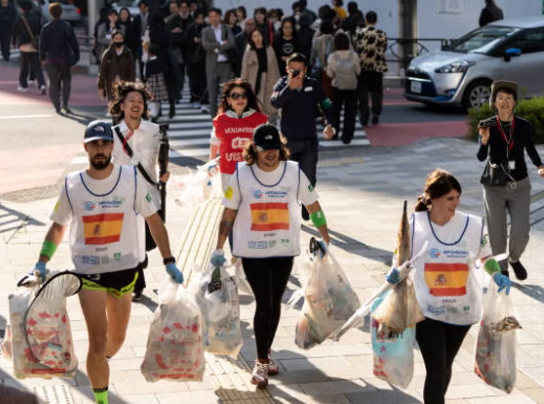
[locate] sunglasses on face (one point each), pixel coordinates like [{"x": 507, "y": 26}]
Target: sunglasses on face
[{"x": 238, "y": 96}]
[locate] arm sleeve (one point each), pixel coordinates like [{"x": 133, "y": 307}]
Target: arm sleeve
[
  {"x": 145, "y": 202},
  {"x": 306, "y": 192},
  {"x": 281, "y": 94},
  {"x": 325, "y": 103},
  {"x": 214, "y": 138},
  {"x": 207, "y": 45},
  {"x": 331, "y": 65},
  {"x": 245, "y": 68},
  {"x": 530, "y": 147},
  {"x": 73, "y": 43},
  {"x": 103, "y": 72},
  {"x": 43, "y": 44},
  {"x": 482, "y": 149},
  {"x": 62, "y": 213},
  {"x": 232, "y": 197}
]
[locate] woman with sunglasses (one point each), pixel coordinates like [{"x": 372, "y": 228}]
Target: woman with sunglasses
[{"x": 239, "y": 114}]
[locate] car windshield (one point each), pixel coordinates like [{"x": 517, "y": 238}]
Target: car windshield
[{"x": 482, "y": 39}]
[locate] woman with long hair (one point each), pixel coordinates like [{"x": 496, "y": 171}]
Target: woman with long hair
[
  {"x": 105, "y": 31},
  {"x": 260, "y": 69},
  {"x": 286, "y": 43},
  {"x": 448, "y": 279},
  {"x": 263, "y": 25},
  {"x": 239, "y": 114}
]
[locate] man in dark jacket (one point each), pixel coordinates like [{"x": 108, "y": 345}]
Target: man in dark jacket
[
  {"x": 138, "y": 27},
  {"x": 178, "y": 21},
  {"x": 7, "y": 19},
  {"x": 241, "y": 40},
  {"x": 301, "y": 100},
  {"x": 59, "y": 52},
  {"x": 491, "y": 12}
]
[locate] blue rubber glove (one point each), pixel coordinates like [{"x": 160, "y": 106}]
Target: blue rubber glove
[
  {"x": 174, "y": 272},
  {"x": 393, "y": 276},
  {"x": 503, "y": 282},
  {"x": 324, "y": 246},
  {"x": 218, "y": 258},
  {"x": 40, "y": 268}
]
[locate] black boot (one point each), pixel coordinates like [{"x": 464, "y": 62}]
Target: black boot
[{"x": 172, "y": 111}]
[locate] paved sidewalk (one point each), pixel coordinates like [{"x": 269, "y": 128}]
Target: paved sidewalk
[{"x": 361, "y": 193}]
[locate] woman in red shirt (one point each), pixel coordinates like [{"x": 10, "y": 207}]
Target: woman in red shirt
[{"x": 239, "y": 114}]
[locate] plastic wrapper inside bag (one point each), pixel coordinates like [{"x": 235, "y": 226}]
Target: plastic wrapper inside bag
[
  {"x": 496, "y": 344},
  {"x": 329, "y": 301},
  {"x": 175, "y": 348},
  {"x": 216, "y": 294},
  {"x": 41, "y": 337},
  {"x": 400, "y": 309},
  {"x": 393, "y": 352}
]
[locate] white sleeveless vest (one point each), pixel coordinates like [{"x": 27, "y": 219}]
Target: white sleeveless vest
[
  {"x": 448, "y": 285},
  {"x": 103, "y": 233},
  {"x": 268, "y": 219}
]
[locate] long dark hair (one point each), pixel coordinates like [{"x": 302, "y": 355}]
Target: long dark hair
[
  {"x": 120, "y": 91},
  {"x": 439, "y": 183},
  {"x": 293, "y": 24},
  {"x": 252, "y": 101},
  {"x": 250, "y": 39},
  {"x": 251, "y": 156}
]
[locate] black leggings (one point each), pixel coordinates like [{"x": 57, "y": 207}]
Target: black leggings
[
  {"x": 439, "y": 343},
  {"x": 268, "y": 278}
]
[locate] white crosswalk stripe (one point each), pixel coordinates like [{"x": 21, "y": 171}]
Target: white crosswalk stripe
[{"x": 189, "y": 132}]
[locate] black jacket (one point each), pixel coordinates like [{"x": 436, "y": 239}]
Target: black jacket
[
  {"x": 300, "y": 108},
  {"x": 496, "y": 148},
  {"x": 20, "y": 32},
  {"x": 58, "y": 43},
  {"x": 8, "y": 14},
  {"x": 490, "y": 14}
]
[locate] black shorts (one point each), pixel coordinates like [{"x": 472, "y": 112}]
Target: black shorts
[{"x": 118, "y": 284}]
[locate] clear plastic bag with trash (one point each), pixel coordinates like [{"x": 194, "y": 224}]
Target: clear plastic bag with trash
[
  {"x": 496, "y": 348},
  {"x": 175, "y": 349},
  {"x": 216, "y": 293},
  {"x": 40, "y": 336},
  {"x": 199, "y": 185}
]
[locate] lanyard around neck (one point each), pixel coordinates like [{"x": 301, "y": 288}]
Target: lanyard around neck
[{"x": 509, "y": 142}]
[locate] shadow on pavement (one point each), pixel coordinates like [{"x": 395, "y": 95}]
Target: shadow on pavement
[
  {"x": 534, "y": 291},
  {"x": 19, "y": 220}
]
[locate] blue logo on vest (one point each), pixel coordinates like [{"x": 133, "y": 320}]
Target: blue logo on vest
[
  {"x": 89, "y": 206},
  {"x": 257, "y": 194},
  {"x": 434, "y": 253}
]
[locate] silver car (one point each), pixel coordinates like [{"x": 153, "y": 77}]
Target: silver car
[{"x": 461, "y": 74}]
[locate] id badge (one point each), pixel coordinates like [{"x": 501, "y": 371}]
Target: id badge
[{"x": 512, "y": 164}]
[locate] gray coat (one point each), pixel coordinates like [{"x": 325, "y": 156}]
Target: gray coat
[{"x": 210, "y": 44}]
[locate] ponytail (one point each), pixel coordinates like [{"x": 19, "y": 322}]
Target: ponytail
[{"x": 421, "y": 205}]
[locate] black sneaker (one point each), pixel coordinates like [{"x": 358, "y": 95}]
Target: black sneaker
[
  {"x": 505, "y": 273},
  {"x": 519, "y": 270},
  {"x": 137, "y": 295}
]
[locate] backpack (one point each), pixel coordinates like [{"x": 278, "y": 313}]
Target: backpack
[{"x": 346, "y": 73}]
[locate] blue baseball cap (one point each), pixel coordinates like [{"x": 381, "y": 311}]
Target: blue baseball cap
[{"x": 98, "y": 130}]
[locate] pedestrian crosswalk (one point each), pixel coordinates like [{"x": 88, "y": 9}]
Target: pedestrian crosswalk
[{"x": 189, "y": 133}]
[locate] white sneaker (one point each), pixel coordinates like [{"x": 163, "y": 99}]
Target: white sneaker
[
  {"x": 205, "y": 108},
  {"x": 31, "y": 82},
  {"x": 22, "y": 89},
  {"x": 259, "y": 376},
  {"x": 43, "y": 90}
]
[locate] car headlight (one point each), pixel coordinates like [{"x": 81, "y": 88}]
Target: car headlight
[{"x": 456, "y": 67}]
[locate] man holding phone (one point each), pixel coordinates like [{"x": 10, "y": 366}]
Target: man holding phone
[{"x": 302, "y": 100}]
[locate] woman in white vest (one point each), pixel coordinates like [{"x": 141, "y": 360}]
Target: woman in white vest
[
  {"x": 262, "y": 204},
  {"x": 447, "y": 280}
]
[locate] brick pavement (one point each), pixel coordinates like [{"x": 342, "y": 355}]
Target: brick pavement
[{"x": 362, "y": 194}]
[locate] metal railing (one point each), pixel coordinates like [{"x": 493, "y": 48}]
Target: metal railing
[{"x": 403, "y": 50}]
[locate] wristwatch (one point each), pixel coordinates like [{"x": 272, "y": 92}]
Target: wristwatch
[{"x": 169, "y": 260}]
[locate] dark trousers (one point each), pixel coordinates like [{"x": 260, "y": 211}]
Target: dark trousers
[
  {"x": 268, "y": 279},
  {"x": 305, "y": 153},
  {"x": 197, "y": 81},
  {"x": 60, "y": 84},
  {"x": 5, "y": 37},
  {"x": 348, "y": 100},
  {"x": 30, "y": 61},
  {"x": 439, "y": 343},
  {"x": 370, "y": 83}
]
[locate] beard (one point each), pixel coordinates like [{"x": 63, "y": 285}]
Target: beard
[{"x": 100, "y": 165}]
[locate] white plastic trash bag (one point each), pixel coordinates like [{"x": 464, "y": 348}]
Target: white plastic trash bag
[
  {"x": 41, "y": 337},
  {"x": 393, "y": 352},
  {"x": 241, "y": 281},
  {"x": 217, "y": 296},
  {"x": 200, "y": 185},
  {"x": 329, "y": 301},
  {"x": 175, "y": 348},
  {"x": 496, "y": 345}
]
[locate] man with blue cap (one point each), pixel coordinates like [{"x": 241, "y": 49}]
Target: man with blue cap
[{"x": 101, "y": 204}]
